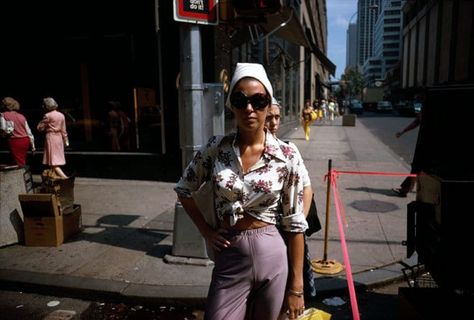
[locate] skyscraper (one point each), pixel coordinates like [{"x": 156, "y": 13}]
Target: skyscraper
[
  {"x": 351, "y": 46},
  {"x": 367, "y": 13}
]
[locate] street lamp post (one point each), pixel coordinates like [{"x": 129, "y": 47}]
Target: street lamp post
[{"x": 352, "y": 17}]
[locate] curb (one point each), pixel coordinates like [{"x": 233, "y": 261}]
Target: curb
[{"x": 111, "y": 290}]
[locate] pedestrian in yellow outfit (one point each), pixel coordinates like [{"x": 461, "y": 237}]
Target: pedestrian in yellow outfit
[{"x": 308, "y": 115}]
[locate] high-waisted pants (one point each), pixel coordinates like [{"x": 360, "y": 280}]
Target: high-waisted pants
[{"x": 249, "y": 277}]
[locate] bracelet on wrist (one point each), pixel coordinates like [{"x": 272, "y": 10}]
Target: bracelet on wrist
[{"x": 295, "y": 293}]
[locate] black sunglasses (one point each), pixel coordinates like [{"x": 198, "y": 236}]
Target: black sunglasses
[{"x": 259, "y": 101}]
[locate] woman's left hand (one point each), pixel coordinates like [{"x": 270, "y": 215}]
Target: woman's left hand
[{"x": 294, "y": 305}]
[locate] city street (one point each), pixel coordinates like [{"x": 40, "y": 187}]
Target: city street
[
  {"x": 376, "y": 303},
  {"x": 103, "y": 107}
]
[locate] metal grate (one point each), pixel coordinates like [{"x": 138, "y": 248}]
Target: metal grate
[{"x": 28, "y": 178}]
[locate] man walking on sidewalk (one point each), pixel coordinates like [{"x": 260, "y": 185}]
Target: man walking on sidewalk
[{"x": 409, "y": 183}]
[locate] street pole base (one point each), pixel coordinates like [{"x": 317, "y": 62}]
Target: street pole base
[
  {"x": 188, "y": 260},
  {"x": 326, "y": 266}
]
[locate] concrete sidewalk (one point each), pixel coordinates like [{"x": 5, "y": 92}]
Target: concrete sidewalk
[{"x": 128, "y": 229}]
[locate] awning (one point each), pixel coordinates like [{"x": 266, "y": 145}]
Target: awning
[
  {"x": 286, "y": 25},
  {"x": 331, "y": 67}
]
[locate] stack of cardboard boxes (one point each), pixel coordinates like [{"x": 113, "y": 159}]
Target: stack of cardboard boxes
[{"x": 50, "y": 215}]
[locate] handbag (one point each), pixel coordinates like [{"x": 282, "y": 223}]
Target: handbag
[
  {"x": 314, "y": 225},
  {"x": 204, "y": 198},
  {"x": 6, "y": 127}
]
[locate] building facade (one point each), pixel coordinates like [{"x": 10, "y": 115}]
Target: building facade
[
  {"x": 87, "y": 56},
  {"x": 437, "y": 46}
]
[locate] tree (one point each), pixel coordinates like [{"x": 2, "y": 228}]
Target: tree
[{"x": 352, "y": 82}]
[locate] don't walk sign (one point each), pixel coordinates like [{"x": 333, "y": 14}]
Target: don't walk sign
[{"x": 196, "y": 11}]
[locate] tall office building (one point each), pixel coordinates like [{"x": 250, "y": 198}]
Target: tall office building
[
  {"x": 351, "y": 46},
  {"x": 387, "y": 41},
  {"x": 367, "y": 13},
  {"x": 387, "y": 32}
]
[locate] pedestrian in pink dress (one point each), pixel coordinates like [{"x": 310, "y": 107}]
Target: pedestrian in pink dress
[{"x": 54, "y": 126}]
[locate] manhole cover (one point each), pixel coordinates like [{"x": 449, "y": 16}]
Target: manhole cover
[
  {"x": 374, "y": 206},
  {"x": 61, "y": 315}
]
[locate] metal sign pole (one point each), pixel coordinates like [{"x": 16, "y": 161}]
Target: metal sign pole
[{"x": 187, "y": 241}]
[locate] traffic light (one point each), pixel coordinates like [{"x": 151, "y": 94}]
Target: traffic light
[{"x": 256, "y": 7}]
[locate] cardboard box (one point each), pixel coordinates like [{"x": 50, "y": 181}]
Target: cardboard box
[
  {"x": 43, "y": 222},
  {"x": 44, "y": 231},
  {"x": 39, "y": 205},
  {"x": 72, "y": 221}
]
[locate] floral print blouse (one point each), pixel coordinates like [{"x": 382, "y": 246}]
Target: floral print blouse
[{"x": 271, "y": 190}]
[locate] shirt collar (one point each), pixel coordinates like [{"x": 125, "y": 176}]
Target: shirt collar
[{"x": 272, "y": 147}]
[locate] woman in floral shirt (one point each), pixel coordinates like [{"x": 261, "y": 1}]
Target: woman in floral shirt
[{"x": 257, "y": 183}]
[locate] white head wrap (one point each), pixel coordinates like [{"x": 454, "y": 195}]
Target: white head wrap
[
  {"x": 251, "y": 70},
  {"x": 275, "y": 102}
]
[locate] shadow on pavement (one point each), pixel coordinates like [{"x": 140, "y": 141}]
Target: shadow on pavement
[
  {"x": 383, "y": 191},
  {"x": 114, "y": 230}
]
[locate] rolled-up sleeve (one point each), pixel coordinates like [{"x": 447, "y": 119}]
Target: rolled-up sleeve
[
  {"x": 293, "y": 219},
  {"x": 198, "y": 170}
]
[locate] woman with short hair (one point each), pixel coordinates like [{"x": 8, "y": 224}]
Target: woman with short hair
[{"x": 53, "y": 125}]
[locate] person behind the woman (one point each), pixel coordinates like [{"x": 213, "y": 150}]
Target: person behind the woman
[
  {"x": 307, "y": 118},
  {"x": 17, "y": 131},
  {"x": 272, "y": 122},
  {"x": 54, "y": 126},
  {"x": 257, "y": 184}
]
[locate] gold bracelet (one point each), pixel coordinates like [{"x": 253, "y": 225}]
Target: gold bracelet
[{"x": 296, "y": 293}]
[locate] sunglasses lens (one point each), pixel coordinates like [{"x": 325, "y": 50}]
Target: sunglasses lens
[
  {"x": 238, "y": 100},
  {"x": 258, "y": 101}
]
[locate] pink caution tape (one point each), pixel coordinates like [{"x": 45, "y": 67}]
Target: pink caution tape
[
  {"x": 375, "y": 173},
  {"x": 345, "y": 252},
  {"x": 340, "y": 214}
]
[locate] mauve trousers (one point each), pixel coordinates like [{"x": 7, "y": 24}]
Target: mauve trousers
[{"x": 249, "y": 278}]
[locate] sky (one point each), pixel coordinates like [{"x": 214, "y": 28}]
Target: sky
[{"x": 339, "y": 12}]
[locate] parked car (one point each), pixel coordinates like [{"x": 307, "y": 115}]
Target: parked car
[
  {"x": 355, "y": 106},
  {"x": 384, "y": 106},
  {"x": 408, "y": 107}
]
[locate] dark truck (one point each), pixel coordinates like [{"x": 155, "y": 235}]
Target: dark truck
[
  {"x": 370, "y": 98},
  {"x": 437, "y": 62},
  {"x": 440, "y": 223}
]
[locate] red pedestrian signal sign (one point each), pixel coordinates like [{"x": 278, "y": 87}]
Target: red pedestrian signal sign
[{"x": 196, "y": 11}]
